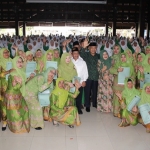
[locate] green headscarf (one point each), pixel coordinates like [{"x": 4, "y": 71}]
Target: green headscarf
[
  {"x": 57, "y": 59},
  {"x": 116, "y": 57},
  {"x": 127, "y": 64},
  {"x": 105, "y": 62},
  {"x": 146, "y": 65},
  {"x": 140, "y": 64},
  {"x": 45, "y": 74},
  {"x": 129, "y": 94},
  {"x": 45, "y": 57},
  {"x": 38, "y": 60},
  {"x": 19, "y": 72},
  {"x": 130, "y": 58},
  {"x": 3, "y": 61},
  {"x": 145, "y": 98},
  {"x": 143, "y": 58},
  {"x": 29, "y": 53},
  {"x": 61, "y": 93},
  {"x": 66, "y": 71},
  {"x": 146, "y": 48}
]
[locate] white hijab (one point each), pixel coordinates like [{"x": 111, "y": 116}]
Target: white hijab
[
  {"x": 1, "y": 44},
  {"x": 108, "y": 49},
  {"x": 134, "y": 47},
  {"x": 99, "y": 45},
  {"x": 124, "y": 47},
  {"x": 20, "y": 46},
  {"x": 50, "y": 46},
  {"x": 33, "y": 50},
  {"x": 113, "y": 44}
]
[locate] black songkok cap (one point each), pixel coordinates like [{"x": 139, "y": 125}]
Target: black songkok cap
[
  {"x": 74, "y": 49},
  {"x": 82, "y": 40},
  {"x": 93, "y": 44},
  {"x": 75, "y": 43}
]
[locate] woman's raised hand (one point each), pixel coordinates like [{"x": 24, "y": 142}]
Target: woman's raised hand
[
  {"x": 120, "y": 69},
  {"x": 70, "y": 84},
  {"x": 68, "y": 41},
  {"x": 18, "y": 79},
  {"x": 11, "y": 70},
  {"x": 25, "y": 39},
  {"x": 134, "y": 109},
  {"x": 44, "y": 40},
  {"x": 104, "y": 68},
  {"x": 32, "y": 75},
  {"x": 41, "y": 64},
  {"x": 137, "y": 50},
  {"x": 141, "y": 69},
  {"x": 15, "y": 47},
  {"x": 85, "y": 43},
  {"x": 118, "y": 94},
  {"x": 50, "y": 79},
  {"x": 77, "y": 84}
]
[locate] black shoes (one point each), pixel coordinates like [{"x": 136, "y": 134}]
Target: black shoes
[
  {"x": 80, "y": 112},
  {"x": 38, "y": 128},
  {"x": 82, "y": 106},
  {"x": 55, "y": 123},
  {"x": 4, "y": 128},
  {"x": 70, "y": 126},
  {"x": 95, "y": 106},
  {"x": 88, "y": 109}
]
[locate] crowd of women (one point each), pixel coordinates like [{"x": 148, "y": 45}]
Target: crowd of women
[{"x": 87, "y": 72}]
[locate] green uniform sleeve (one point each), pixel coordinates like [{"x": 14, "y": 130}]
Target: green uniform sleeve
[
  {"x": 54, "y": 108},
  {"x": 42, "y": 87},
  {"x": 113, "y": 70},
  {"x": 74, "y": 95}
]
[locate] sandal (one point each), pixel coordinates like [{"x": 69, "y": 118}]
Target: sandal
[
  {"x": 70, "y": 126},
  {"x": 55, "y": 123}
]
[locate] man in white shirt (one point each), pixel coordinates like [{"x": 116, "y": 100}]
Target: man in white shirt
[{"x": 82, "y": 72}]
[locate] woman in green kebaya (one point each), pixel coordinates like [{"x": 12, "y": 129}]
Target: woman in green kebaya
[
  {"x": 125, "y": 98},
  {"x": 4, "y": 59},
  {"x": 16, "y": 108},
  {"x": 60, "y": 111}
]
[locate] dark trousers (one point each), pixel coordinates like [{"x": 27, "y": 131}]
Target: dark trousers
[
  {"x": 79, "y": 99},
  {"x": 91, "y": 88}
]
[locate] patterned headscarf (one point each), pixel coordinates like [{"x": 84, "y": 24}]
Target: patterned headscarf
[
  {"x": 145, "y": 98},
  {"x": 3, "y": 61},
  {"x": 66, "y": 71},
  {"x": 19, "y": 72},
  {"x": 61, "y": 93},
  {"x": 105, "y": 62},
  {"x": 129, "y": 94}
]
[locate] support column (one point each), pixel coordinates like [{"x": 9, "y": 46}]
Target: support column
[
  {"x": 148, "y": 28},
  {"x": 24, "y": 28},
  {"x": 141, "y": 24},
  {"x": 114, "y": 18},
  {"x": 106, "y": 28},
  {"x": 136, "y": 29},
  {"x": 114, "y": 28},
  {"x": 17, "y": 27}
]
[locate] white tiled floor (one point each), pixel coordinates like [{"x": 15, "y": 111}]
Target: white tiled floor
[{"x": 98, "y": 131}]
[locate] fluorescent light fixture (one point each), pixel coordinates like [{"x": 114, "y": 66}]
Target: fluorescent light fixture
[{"x": 70, "y": 1}]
